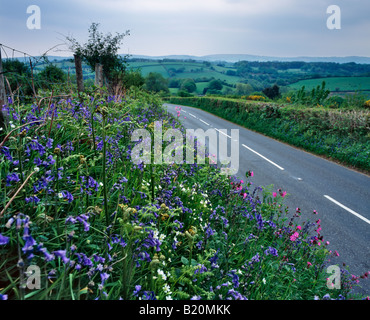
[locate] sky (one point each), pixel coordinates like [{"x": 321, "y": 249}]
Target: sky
[{"x": 279, "y": 28}]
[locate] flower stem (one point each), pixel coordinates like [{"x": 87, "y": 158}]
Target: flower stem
[{"x": 104, "y": 173}]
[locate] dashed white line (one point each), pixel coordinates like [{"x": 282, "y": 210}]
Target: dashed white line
[
  {"x": 223, "y": 133},
  {"x": 192, "y": 115},
  {"x": 268, "y": 160},
  {"x": 348, "y": 209},
  {"x": 204, "y": 122}
]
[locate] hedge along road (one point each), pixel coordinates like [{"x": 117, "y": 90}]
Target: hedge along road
[{"x": 341, "y": 196}]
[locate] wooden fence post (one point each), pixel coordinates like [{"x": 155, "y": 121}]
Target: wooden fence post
[
  {"x": 3, "y": 99},
  {"x": 2, "y": 84},
  {"x": 99, "y": 78},
  {"x": 79, "y": 75}
]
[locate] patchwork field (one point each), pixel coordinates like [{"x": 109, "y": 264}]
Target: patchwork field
[{"x": 337, "y": 84}]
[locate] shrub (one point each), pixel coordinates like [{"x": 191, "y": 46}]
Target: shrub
[{"x": 256, "y": 98}]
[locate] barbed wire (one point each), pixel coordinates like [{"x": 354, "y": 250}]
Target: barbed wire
[{"x": 22, "y": 84}]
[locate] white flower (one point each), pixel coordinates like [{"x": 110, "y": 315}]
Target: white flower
[
  {"x": 264, "y": 281},
  {"x": 161, "y": 274},
  {"x": 37, "y": 169},
  {"x": 169, "y": 298},
  {"x": 101, "y": 184},
  {"x": 60, "y": 195},
  {"x": 167, "y": 289}
]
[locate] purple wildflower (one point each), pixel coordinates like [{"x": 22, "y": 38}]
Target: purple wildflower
[
  {"x": 104, "y": 276},
  {"x": 13, "y": 177},
  {"x": 271, "y": 251},
  {"x": 3, "y": 296},
  {"x": 136, "y": 291},
  {"x": 3, "y": 240},
  {"x": 63, "y": 255}
]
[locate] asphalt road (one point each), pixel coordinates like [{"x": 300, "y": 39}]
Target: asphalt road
[{"x": 341, "y": 196}]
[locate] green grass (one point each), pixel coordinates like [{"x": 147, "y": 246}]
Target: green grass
[
  {"x": 190, "y": 70},
  {"x": 336, "y": 83}
]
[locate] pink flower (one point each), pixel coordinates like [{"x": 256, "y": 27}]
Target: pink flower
[
  {"x": 274, "y": 194},
  {"x": 309, "y": 264},
  {"x": 299, "y": 228},
  {"x": 283, "y": 194},
  {"x": 252, "y": 174},
  {"x": 244, "y": 195},
  {"x": 294, "y": 236}
]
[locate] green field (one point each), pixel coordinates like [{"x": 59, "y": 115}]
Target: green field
[
  {"x": 258, "y": 75},
  {"x": 185, "y": 70},
  {"x": 336, "y": 84}
]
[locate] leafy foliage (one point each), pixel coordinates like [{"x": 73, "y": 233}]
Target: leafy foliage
[
  {"x": 155, "y": 82},
  {"x": 101, "y": 49}
]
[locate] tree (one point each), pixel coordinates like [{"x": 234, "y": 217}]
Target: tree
[
  {"x": 131, "y": 78},
  {"x": 156, "y": 82},
  {"x": 51, "y": 74},
  {"x": 188, "y": 85},
  {"x": 272, "y": 92},
  {"x": 18, "y": 75},
  {"x": 101, "y": 49},
  {"x": 215, "y": 85},
  {"x": 243, "y": 89}
]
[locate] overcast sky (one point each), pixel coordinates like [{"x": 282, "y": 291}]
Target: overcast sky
[{"x": 284, "y": 28}]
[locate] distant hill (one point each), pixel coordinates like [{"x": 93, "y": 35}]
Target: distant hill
[
  {"x": 248, "y": 57},
  {"x": 236, "y": 57}
]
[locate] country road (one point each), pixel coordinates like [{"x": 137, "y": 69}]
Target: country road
[{"x": 341, "y": 196}]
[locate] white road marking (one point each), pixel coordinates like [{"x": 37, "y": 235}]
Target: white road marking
[
  {"x": 268, "y": 160},
  {"x": 204, "y": 122},
  {"x": 348, "y": 209},
  {"x": 223, "y": 133},
  {"x": 192, "y": 115}
]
